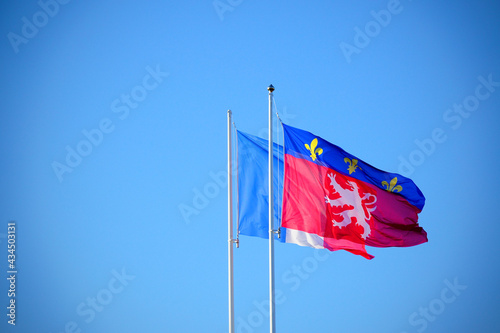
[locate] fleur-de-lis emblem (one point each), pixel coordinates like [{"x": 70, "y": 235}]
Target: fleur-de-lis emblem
[
  {"x": 353, "y": 164},
  {"x": 392, "y": 186},
  {"x": 315, "y": 152}
]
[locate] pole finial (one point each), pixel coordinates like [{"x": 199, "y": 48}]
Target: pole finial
[{"x": 270, "y": 88}]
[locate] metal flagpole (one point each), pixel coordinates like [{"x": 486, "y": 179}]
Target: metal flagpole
[
  {"x": 272, "y": 321},
  {"x": 230, "y": 224}
]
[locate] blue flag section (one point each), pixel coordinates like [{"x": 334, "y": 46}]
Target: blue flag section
[
  {"x": 326, "y": 154},
  {"x": 253, "y": 188}
]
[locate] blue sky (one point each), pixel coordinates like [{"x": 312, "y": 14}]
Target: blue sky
[{"x": 140, "y": 90}]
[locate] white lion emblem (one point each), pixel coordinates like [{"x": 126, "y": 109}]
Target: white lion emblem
[{"x": 350, "y": 204}]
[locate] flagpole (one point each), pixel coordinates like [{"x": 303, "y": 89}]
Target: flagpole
[
  {"x": 272, "y": 321},
  {"x": 230, "y": 224}
]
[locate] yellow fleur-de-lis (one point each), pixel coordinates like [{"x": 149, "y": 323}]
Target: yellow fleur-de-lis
[
  {"x": 315, "y": 152},
  {"x": 353, "y": 164},
  {"x": 391, "y": 187}
]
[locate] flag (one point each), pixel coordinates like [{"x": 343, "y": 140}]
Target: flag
[
  {"x": 253, "y": 188},
  {"x": 334, "y": 200}
]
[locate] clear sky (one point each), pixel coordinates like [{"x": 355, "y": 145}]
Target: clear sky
[{"x": 113, "y": 121}]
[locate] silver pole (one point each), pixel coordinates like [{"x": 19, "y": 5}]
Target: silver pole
[
  {"x": 272, "y": 321},
  {"x": 230, "y": 224}
]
